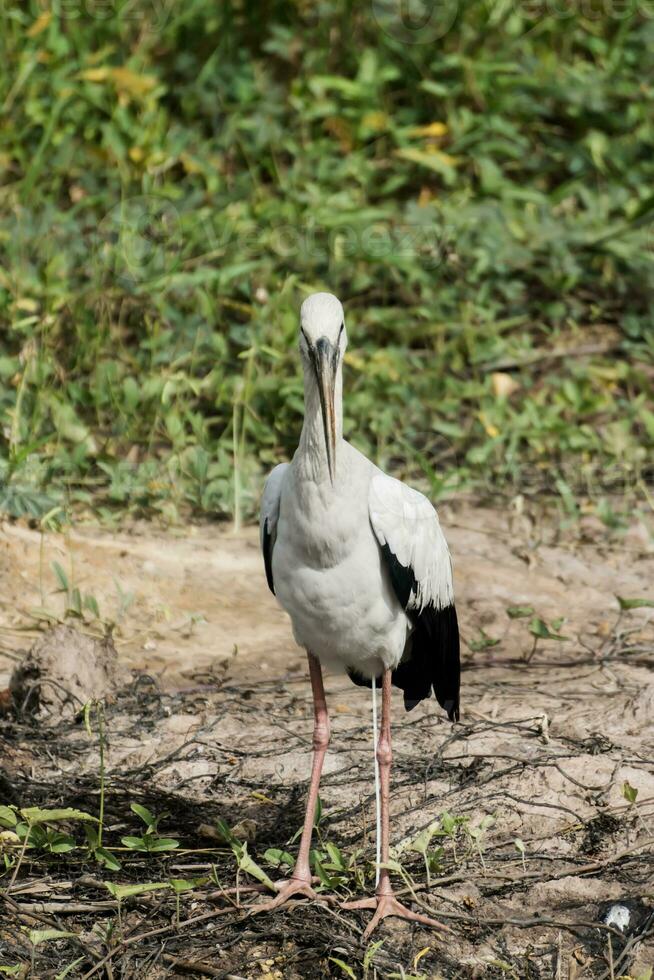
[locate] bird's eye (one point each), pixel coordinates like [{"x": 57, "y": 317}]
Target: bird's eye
[{"x": 341, "y": 330}]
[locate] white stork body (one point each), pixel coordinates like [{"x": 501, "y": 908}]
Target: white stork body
[
  {"x": 328, "y": 570},
  {"x": 360, "y": 563}
]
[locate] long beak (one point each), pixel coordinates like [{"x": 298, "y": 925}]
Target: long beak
[{"x": 325, "y": 359}]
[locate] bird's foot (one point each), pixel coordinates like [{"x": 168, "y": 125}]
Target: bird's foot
[
  {"x": 287, "y": 889},
  {"x": 387, "y": 904}
]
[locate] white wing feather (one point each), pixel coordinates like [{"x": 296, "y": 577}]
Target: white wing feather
[
  {"x": 272, "y": 493},
  {"x": 269, "y": 516},
  {"x": 405, "y": 521}
]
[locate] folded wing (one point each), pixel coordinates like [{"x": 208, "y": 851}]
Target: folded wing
[
  {"x": 269, "y": 516},
  {"x": 414, "y": 549}
]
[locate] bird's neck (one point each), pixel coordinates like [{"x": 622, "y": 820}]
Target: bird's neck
[{"x": 312, "y": 449}]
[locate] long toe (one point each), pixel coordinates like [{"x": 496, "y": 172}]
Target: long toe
[
  {"x": 386, "y": 905},
  {"x": 292, "y": 888}
]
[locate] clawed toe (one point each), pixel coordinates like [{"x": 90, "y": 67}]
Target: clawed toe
[
  {"x": 386, "y": 905},
  {"x": 286, "y": 890}
]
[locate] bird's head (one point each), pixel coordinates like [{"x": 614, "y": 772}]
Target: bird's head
[{"x": 322, "y": 344}]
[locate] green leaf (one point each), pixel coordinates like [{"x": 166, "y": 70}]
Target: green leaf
[
  {"x": 69, "y": 969},
  {"x": 62, "y": 578},
  {"x": 483, "y": 643},
  {"x": 538, "y": 627},
  {"x": 629, "y": 792},
  {"x": 347, "y": 970},
  {"x": 325, "y": 878},
  {"x": 224, "y": 830},
  {"x": 635, "y": 603},
  {"x": 11, "y": 971},
  {"x": 142, "y": 811},
  {"x": 336, "y": 857},
  {"x": 75, "y": 604},
  {"x": 395, "y": 866},
  {"x": 163, "y": 844},
  {"x": 63, "y": 844},
  {"x": 180, "y": 885},
  {"x": 107, "y": 859},
  {"x": 35, "y": 815},
  {"x": 8, "y": 817},
  {"x": 519, "y": 612},
  {"x": 37, "y": 936},
  {"x": 248, "y": 864},
  {"x": 128, "y": 891},
  {"x": 422, "y": 841},
  {"x": 91, "y": 603},
  {"x": 370, "y": 952},
  {"x": 276, "y": 857}
]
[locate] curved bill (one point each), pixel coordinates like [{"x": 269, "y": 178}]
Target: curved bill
[{"x": 325, "y": 358}]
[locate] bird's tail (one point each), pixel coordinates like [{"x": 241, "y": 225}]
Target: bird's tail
[{"x": 375, "y": 736}]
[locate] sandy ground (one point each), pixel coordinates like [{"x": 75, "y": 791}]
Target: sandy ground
[{"x": 220, "y": 717}]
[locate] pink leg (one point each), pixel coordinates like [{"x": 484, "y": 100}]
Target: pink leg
[
  {"x": 385, "y": 902},
  {"x": 300, "y": 881}
]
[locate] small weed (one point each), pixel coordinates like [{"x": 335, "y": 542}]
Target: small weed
[
  {"x": 520, "y": 848},
  {"x": 630, "y": 794},
  {"x": 244, "y": 860},
  {"x": 150, "y": 842},
  {"x": 477, "y": 834},
  {"x": 421, "y": 844},
  {"x": 484, "y": 642}
]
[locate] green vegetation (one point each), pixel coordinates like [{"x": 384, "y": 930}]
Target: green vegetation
[{"x": 175, "y": 178}]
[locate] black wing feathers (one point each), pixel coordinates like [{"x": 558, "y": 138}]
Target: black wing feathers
[
  {"x": 434, "y": 661},
  {"x": 432, "y": 658},
  {"x": 402, "y": 578},
  {"x": 267, "y": 555}
]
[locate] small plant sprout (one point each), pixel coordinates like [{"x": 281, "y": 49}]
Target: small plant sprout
[
  {"x": 541, "y": 631},
  {"x": 449, "y": 827},
  {"x": 244, "y": 860},
  {"x": 181, "y": 885},
  {"x": 67, "y": 970},
  {"x": 32, "y": 827},
  {"x": 94, "y": 834},
  {"x": 421, "y": 845},
  {"x": 151, "y": 842},
  {"x": 626, "y": 604},
  {"x": 369, "y": 956},
  {"x": 336, "y": 869},
  {"x": 38, "y": 936},
  {"x": 519, "y": 612},
  {"x": 630, "y": 794},
  {"x": 278, "y": 858},
  {"x": 520, "y": 847},
  {"x": 121, "y": 892},
  {"x": 77, "y": 602},
  {"x": 477, "y": 835},
  {"x": 483, "y": 642},
  {"x": 345, "y": 969}
]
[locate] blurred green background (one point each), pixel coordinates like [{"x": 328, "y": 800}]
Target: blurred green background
[{"x": 477, "y": 188}]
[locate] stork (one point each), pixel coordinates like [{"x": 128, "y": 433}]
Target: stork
[{"x": 359, "y": 562}]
